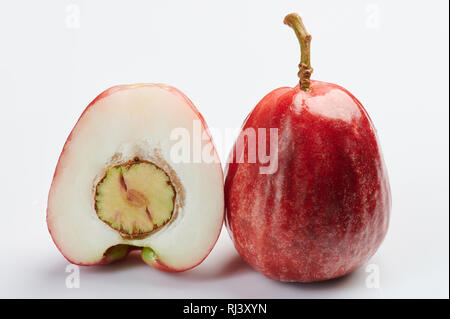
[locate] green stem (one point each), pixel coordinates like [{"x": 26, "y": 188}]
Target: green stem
[{"x": 304, "y": 38}]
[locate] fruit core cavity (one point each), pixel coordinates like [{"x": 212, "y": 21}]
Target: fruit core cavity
[{"x": 135, "y": 198}]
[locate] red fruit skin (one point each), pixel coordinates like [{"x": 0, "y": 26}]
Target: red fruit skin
[{"x": 325, "y": 211}]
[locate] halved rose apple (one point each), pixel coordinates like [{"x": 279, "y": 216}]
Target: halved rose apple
[{"x": 117, "y": 186}]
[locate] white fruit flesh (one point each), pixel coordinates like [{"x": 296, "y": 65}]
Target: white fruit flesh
[{"x": 126, "y": 123}]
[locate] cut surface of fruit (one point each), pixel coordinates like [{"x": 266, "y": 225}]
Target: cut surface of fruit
[
  {"x": 117, "y": 187},
  {"x": 135, "y": 198}
]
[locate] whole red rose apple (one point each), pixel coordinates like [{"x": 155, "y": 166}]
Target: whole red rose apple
[{"x": 323, "y": 209}]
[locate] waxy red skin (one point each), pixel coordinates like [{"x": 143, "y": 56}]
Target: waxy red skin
[{"x": 326, "y": 210}]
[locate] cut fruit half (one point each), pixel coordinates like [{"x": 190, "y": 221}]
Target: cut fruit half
[{"x": 116, "y": 186}]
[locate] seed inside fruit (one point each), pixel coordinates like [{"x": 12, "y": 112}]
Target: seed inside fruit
[{"x": 135, "y": 198}]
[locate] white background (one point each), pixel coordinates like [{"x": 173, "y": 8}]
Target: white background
[{"x": 225, "y": 56}]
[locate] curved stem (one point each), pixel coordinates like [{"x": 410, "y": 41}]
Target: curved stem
[{"x": 304, "y": 38}]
